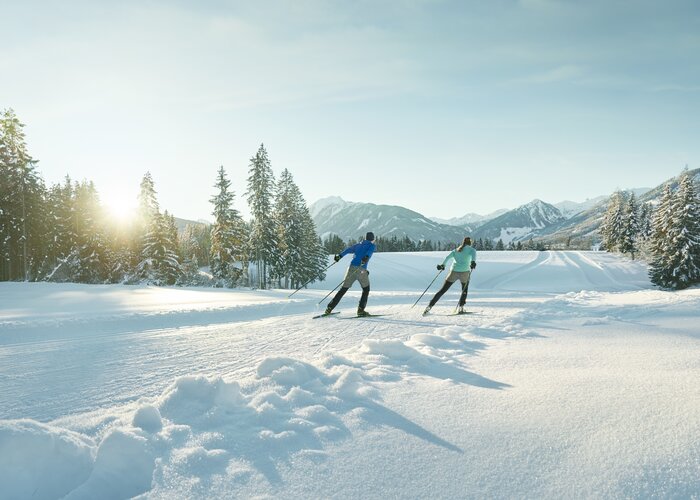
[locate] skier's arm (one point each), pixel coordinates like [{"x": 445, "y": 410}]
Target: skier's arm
[
  {"x": 450, "y": 255},
  {"x": 472, "y": 265},
  {"x": 348, "y": 250}
]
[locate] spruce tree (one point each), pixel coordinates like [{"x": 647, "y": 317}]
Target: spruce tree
[
  {"x": 677, "y": 262},
  {"x": 314, "y": 259},
  {"x": 158, "y": 261},
  {"x": 90, "y": 247},
  {"x": 645, "y": 221},
  {"x": 227, "y": 234},
  {"x": 22, "y": 195},
  {"x": 300, "y": 257},
  {"x": 260, "y": 194},
  {"x": 630, "y": 226},
  {"x": 613, "y": 224},
  {"x": 658, "y": 241},
  {"x": 288, "y": 231}
]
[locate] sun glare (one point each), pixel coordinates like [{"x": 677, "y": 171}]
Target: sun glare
[{"x": 119, "y": 210}]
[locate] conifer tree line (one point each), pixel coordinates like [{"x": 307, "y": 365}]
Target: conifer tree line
[
  {"x": 334, "y": 244},
  {"x": 667, "y": 235},
  {"x": 61, "y": 233}
]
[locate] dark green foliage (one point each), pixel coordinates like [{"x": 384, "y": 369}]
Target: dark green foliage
[
  {"x": 676, "y": 237},
  {"x": 228, "y": 235},
  {"x": 333, "y": 244},
  {"x": 262, "y": 238}
]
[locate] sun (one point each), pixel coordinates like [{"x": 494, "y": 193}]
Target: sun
[{"x": 118, "y": 209}]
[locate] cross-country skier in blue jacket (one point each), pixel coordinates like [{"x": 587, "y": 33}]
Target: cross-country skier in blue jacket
[
  {"x": 356, "y": 271},
  {"x": 464, "y": 257}
]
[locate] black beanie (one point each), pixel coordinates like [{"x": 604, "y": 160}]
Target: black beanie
[{"x": 369, "y": 236}]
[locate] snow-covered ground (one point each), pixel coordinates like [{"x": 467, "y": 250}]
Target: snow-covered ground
[{"x": 572, "y": 377}]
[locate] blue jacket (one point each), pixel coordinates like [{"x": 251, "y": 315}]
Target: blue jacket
[{"x": 361, "y": 250}]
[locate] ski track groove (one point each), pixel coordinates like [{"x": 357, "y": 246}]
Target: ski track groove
[{"x": 502, "y": 279}]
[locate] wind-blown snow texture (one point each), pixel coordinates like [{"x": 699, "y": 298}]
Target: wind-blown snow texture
[{"x": 572, "y": 378}]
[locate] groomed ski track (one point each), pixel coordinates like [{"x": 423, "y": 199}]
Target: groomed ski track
[{"x": 141, "y": 349}]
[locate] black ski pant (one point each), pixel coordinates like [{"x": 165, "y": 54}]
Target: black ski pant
[
  {"x": 446, "y": 286},
  {"x": 341, "y": 293}
]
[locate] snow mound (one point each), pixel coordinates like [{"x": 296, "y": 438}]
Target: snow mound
[
  {"x": 41, "y": 461},
  {"x": 148, "y": 418},
  {"x": 123, "y": 467}
]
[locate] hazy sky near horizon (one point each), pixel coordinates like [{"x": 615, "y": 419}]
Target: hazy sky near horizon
[{"x": 444, "y": 107}]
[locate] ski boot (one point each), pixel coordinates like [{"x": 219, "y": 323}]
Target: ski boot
[
  {"x": 329, "y": 310},
  {"x": 461, "y": 310},
  {"x": 427, "y": 310},
  {"x": 361, "y": 313}
]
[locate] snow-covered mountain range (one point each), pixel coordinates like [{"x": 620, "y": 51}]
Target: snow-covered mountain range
[
  {"x": 521, "y": 223},
  {"x": 537, "y": 220},
  {"x": 351, "y": 220},
  {"x": 470, "y": 219}
]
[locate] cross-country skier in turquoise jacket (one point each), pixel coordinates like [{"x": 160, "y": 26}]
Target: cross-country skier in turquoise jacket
[{"x": 464, "y": 257}]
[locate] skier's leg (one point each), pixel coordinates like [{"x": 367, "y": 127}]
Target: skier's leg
[
  {"x": 363, "y": 278},
  {"x": 445, "y": 286},
  {"x": 336, "y": 299},
  {"x": 463, "y": 297},
  {"x": 363, "y": 298}
]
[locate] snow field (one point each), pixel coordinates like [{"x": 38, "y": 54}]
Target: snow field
[{"x": 582, "y": 392}]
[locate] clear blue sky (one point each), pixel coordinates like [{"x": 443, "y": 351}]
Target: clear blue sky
[{"x": 445, "y": 107}]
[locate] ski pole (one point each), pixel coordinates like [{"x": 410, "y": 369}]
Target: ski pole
[
  {"x": 431, "y": 284},
  {"x": 338, "y": 285},
  {"x": 302, "y": 286},
  {"x": 329, "y": 293},
  {"x": 465, "y": 288}
]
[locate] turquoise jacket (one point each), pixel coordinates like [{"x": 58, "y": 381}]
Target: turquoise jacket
[{"x": 462, "y": 259}]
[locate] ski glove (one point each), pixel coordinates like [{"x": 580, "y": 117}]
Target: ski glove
[
  {"x": 472, "y": 265},
  {"x": 337, "y": 258},
  {"x": 440, "y": 267}
]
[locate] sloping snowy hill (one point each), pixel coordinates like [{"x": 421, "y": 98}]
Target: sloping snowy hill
[{"x": 571, "y": 378}]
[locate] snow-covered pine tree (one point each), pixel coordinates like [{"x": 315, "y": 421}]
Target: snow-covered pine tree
[
  {"x": 658, "y": 241},
  {"x": 313, "y": 259},
  {"x": 677, "y": 263},
  {"x": 262, "y": 239},
  {"x": 196, "y": 241},
  {"x": 92, "y": 260},
  {"x": 22, "y": 194},
  {"x": 630, "y": 226},
  {"x": 170, "y": 268},
  {"x": 158, "y": 262},
  {"x": 227, "y": 235},
  {"x": 613, "y": 224},
  {"x": 61, "y": 232},
  {"x": 645, "y": 220},
  {"x": 288, "y": 231}
]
